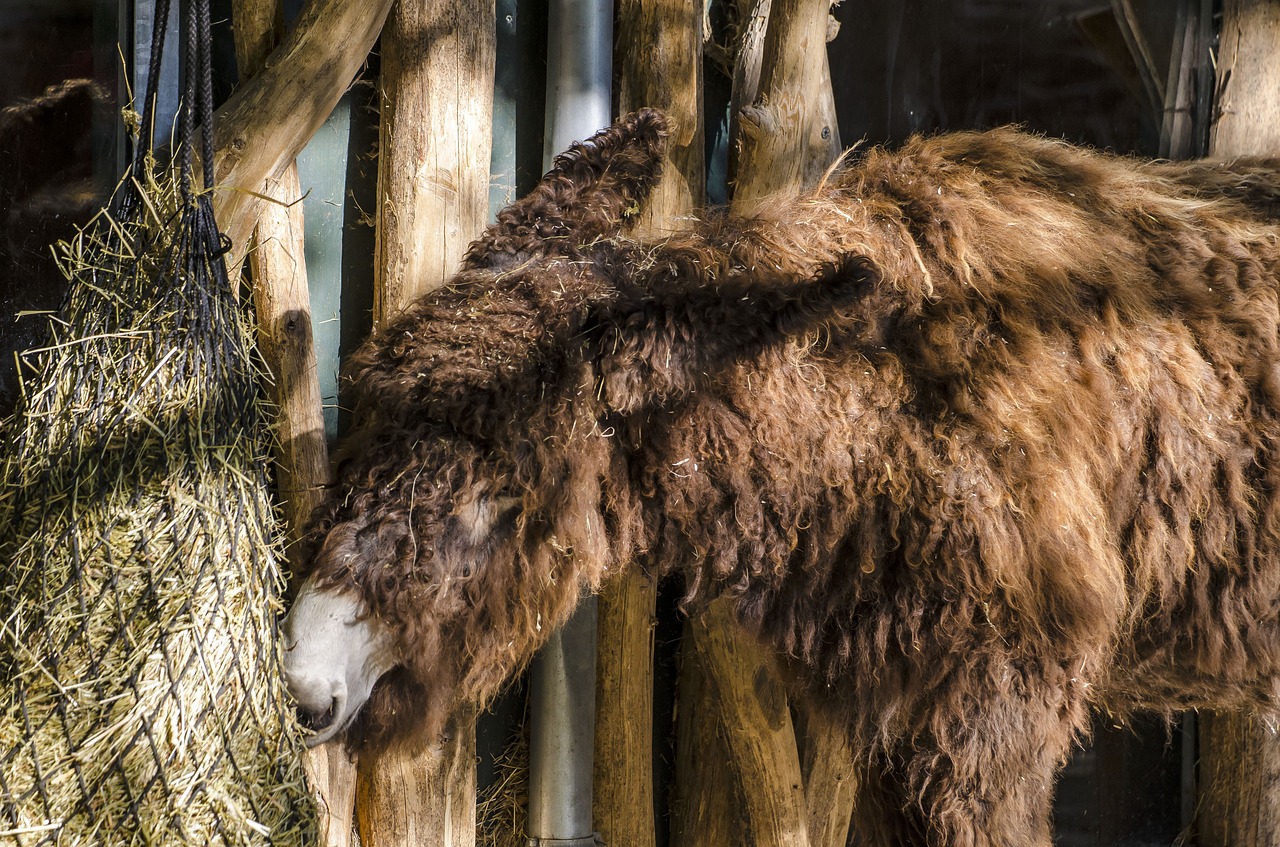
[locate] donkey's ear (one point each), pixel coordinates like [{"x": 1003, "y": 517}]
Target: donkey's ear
[
  {"x": 594, "y": 189},
  {"x": 660, "y": 344}
]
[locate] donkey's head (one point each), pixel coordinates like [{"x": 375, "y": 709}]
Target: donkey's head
[{"x": 457, "y": 534}]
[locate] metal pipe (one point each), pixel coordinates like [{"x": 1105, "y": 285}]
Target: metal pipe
[
  {"x": 579, "y": 72},
  {"x": 562, "y": 696},
  {"x": 563, "y": 683}
]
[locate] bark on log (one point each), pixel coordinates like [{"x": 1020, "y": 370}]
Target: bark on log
[
  {"x": 659, "y": 63},
  {"x": 433, "y": 195},
  {"x": 283, "y": 305},
  {"x": 1239, "y": 778},
  {"x": 261, "y": 128}
]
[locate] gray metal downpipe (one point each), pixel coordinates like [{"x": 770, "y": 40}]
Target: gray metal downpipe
[
  {"x": 563, "y": 683},
  {"x": 562, "y": 696}
]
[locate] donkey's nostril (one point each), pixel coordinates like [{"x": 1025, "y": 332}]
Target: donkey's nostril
[{"x": 318, "y": 721}]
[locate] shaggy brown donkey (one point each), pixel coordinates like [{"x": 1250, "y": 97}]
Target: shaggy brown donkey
[{"x": 980, "y": 435}]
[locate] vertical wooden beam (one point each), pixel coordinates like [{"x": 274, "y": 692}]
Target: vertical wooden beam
[
  {"x": 659, "y": 63},
  {"x": 283, "y": 306},
  {"x": 1239, "y": 778},
  {"x": 707, "y": 796},
  {"x": 434, "y": 144},
  {"x": 622, "y": 780},
  {"x": 435, "y": 139},
  {"x": 822, "y": 131},
  {"x": 830, "y": 781},
  {"x": 1248, "y": 111}
]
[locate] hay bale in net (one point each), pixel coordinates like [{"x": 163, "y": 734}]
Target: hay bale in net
[{"x": 142, "y": 701}]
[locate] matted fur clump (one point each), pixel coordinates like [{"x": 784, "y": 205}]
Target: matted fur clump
[
  {"x": 980, "y": 435},
  {"x": 140, "y": 693}
]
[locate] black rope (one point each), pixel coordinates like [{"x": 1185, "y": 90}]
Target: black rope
[
  {"x": 205, "y": 40},
  {"x": 146, "y": 133},
  {"x": 186, "y": 128}
]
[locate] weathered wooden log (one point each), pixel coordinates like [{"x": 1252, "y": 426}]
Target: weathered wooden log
[
  {"x": 782, "y": 104},
  {"x": 622, "y": 783},
  {"x": 1248, "y": 113},
  {"x": 706, "y": 800},
  {"x": 752, "y": 704},
  {"x": 435, "y": 137},
  {"x": 261, "y": 128},
  {"x": 830, "y": 780},
  {"x": 434, "y": 141},
  {"x": 424, "y": 800},
  {"x": 283, "y": 305},
  {"x": 659, "y": 63},
  {"x": 1239, "y": 778}
]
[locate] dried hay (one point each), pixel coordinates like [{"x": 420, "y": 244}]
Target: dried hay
[
  {"x": 142, "y": 701},
  {"x": 502, "y": 809}
]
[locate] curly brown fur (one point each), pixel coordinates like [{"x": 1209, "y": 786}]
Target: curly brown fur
[{"x": 981, "y": 435}]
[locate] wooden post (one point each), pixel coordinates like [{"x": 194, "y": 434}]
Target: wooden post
[
  {"x": 433, "y": 197},
  {"x": 822, "y": 131},
  {"x": 1239, "y": 777},
  {"x": 786, "y": 138},
  {"x": 830, "y": 781},
  {"x": 659, "y": 63},
  {"x": 434, "y": 141},
  {"x": 786, "y": 133},
  {"x": 283, "y": 305},
  {"x": 707, "y": 796},
  {"x": 752, "y": 705}
]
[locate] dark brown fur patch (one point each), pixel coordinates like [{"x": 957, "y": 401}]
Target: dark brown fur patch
[{"x": 981, "y": 435}]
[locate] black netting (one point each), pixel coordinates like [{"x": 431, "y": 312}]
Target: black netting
[{"x": 142, "y": 701}]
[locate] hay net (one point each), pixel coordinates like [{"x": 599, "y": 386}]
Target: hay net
[{"x": 140, "y": 694}]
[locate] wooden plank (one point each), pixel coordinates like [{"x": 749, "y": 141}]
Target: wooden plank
[
  {"x": 433, "y": 200},
  {"x": 1239, "y": 779},
  {"x": 1151, "y": 74},
  {"x": 283, "y": 307}
]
